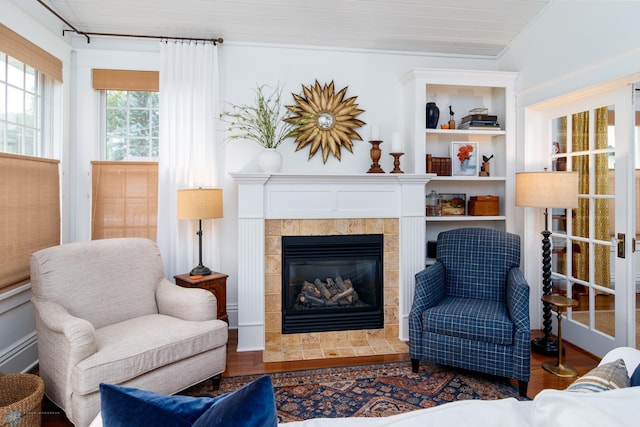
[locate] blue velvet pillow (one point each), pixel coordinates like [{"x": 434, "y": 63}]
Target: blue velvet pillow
[
  {"x": 253, "y": 405},
  {"x": 635, "y": 377},
  {"x": 126, "y": 406}
]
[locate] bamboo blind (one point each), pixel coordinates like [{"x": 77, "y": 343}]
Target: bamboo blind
[
  {"x": 23, "y": 50},
  {"x": 29, "y": 213},
  {"x": 124, "y": 199},
  {"x": 147, "y": 81}
]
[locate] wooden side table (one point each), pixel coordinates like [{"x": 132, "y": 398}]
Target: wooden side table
[
  {"x": 559, "y": 303},
  {"x": 216, "y": 283}
]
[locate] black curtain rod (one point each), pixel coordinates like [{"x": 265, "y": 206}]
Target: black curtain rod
[
  {"x": 139, "y": 36},
  {"x": 46, "y": 6},
  {"x": 215, "y": 41}
]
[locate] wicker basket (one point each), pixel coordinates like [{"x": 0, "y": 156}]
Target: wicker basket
[{"x": 21, "y": 400}]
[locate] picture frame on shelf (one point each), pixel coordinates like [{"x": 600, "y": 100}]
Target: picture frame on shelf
[
  {"x": 453, "y": 204},
  {"x": 464, "y": 158}
]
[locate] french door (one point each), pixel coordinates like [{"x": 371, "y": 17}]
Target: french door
[{"x": 593, "y": 245}]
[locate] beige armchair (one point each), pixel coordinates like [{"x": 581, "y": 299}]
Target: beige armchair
[{"x": 105, "y": 313}]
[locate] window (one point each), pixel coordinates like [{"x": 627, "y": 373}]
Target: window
[
  {"x": 29, "y": 183},
  {"x": 21, "y": 107},
  {"x": 131, "y": 127},
  {"x": 125, "y": 182}
]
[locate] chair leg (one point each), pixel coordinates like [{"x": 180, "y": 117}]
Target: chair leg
[
  {"x": 215, "y": 382},
  {"x": 415, "y": 365},
  {"x": 522, "y": 388}
]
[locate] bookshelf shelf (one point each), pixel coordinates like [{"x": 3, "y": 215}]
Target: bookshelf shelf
[
  {"x": 468, "y": 178},
  {"x": 464, "y": 218},
  {"x": 465, "y": 132}
]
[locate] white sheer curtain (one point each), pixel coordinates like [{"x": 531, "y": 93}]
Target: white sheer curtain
[{"x": 187, "y": 151}]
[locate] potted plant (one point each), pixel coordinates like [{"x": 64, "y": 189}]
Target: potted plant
[{"x": 263, "y": 122}]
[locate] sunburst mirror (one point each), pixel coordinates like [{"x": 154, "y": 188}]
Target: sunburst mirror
[{"x": 324, "y": 119}]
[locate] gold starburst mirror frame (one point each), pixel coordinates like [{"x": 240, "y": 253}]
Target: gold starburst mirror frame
[{"x": 325, "y": 120}]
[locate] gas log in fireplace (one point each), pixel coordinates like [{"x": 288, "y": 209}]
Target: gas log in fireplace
[{"x": 332, "y": 283}]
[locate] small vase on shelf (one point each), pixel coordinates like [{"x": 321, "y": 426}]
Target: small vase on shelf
[{"x": 432, "y": 115}]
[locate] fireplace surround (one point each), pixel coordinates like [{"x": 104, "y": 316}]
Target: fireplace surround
[{"x": 273, "y": 205}]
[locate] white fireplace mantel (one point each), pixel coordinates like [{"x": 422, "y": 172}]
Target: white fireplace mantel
[{"x": 294, "y": 196}]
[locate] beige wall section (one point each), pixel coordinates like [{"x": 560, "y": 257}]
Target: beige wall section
[{"x": 323, "y": 345}]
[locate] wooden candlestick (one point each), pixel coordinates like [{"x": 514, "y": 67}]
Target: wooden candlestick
[
  {"x": 375, "y": 156},
  {"x": 396, "y": 162}
]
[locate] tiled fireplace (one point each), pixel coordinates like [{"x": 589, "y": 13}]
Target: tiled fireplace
[
  {"x": 272, "y": 206},
  {"x": 322, "y": 345}
]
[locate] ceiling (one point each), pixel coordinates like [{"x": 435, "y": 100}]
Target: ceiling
[{"x": 457, "y": 27}]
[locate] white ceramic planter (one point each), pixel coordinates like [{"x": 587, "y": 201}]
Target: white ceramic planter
[{"x": 270, "y": 160}]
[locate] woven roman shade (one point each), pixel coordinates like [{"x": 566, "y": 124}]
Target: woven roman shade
[
  {"x": 29, "y": 213},
  {"x": 124, "y": 199},
  {"x": 147, "y": 81},
  {"x": 24, "y": 51}
]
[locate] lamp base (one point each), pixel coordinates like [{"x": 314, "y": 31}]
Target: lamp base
[
  {"x": 560, "y": 370},
  {"x": 200, "y": 270},
  {"x": 545, "y": 346}
]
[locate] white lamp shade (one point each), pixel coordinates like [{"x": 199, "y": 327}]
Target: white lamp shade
[
  {"x": 547, "y": 189},
  {"x": 200, "y": 203}
]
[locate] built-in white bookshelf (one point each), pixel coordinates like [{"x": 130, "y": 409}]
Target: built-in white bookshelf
[{"x": 463, "y": 90}]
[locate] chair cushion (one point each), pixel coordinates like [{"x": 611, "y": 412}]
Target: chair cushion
[
  {"x": 472, "y": 319},
  {"x": 250, "y": 406},
  {"x": 122, "y": 355},
  {"x": 102, "y": 281},
  {"x": 477, "y": 261}
]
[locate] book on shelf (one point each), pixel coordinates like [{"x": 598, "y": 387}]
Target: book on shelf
[
  {"x": 478, "y": 124},
  {"x": 483, "y": 117},
  {"x": 441, "y": 166}
]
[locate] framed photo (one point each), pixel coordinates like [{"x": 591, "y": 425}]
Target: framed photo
[
  {"x": 464, "y": 158},
  {"x": 453, "y": 204}
]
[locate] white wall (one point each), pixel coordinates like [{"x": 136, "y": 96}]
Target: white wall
[{"x": 575, "y": 45}]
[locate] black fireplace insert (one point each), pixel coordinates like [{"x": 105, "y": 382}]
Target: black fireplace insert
[{"x": 332, "y": 283}]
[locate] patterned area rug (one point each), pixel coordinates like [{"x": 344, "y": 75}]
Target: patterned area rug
[{"x": 375, "y": 390}]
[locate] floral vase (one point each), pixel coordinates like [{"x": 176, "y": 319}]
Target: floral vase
[
  {"x": 464, "y": 164},
  {"x": 270, "y": 160}
]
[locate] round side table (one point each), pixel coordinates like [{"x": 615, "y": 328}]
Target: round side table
[{"x": 559, "y": 304}]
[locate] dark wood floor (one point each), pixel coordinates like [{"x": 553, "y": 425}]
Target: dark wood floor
[{"x": 251, "y": 363}]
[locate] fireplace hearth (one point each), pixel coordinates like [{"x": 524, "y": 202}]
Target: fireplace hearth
[{"x": 332, "y": 283}]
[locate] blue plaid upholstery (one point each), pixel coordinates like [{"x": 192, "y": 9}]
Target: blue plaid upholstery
[{"x": 471, "y": 308}]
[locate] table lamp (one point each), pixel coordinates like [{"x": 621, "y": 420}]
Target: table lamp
[
  {"x": 200, "y": 203},
  {"x": 546, "y": 190}
]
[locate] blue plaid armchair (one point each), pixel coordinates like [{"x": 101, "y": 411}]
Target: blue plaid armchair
[{"x": 471, "y": 308}]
